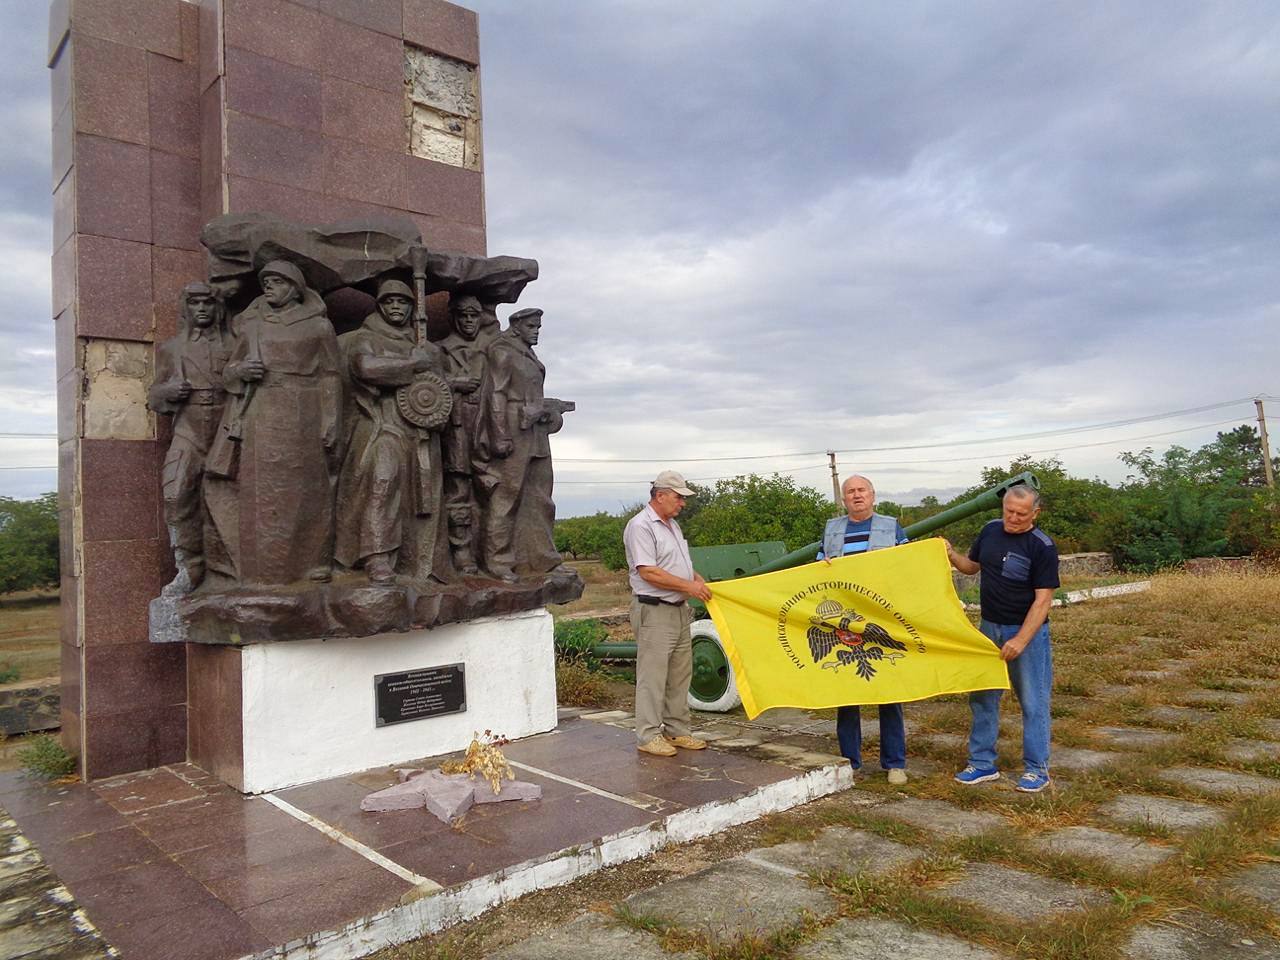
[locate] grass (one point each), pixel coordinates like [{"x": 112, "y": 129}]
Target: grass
[
  {"x": 29, "y": 641},
  {"x": 44, "y": 757},
  {"x": 1221, "y": 631}
]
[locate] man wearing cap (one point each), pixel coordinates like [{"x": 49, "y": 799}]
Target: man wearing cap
[
  {"x": 662, "y": 579},
  {"x": 514, "y": 455},
  {"x": 390, "y": 499},
  {"x": 188, "y": 385},
  {"x": 464, "y": 366}
]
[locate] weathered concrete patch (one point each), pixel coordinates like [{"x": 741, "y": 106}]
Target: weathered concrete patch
[
  {"x": 1136, "y": 738},
  {"x": 1115, "y": 849},
  {"x": 1215, "y": 698},
  {"x": 1197, "y": 936},
  {"x": 588, "y": 938},
  {"x": 1260, "y": 881},
  {"x": 1149, "y": 676},
  {"x": 946, "y": 741},
  {"x": 1019, "y": 895},
  {"x": 731, "y": 899},
  {"x": 1251, "y": 751},
  {"x": 1076, "y": 758},
  {"x": 1221, "y": 783},
  {"x": 1178, "y": 816},
  {"x": 836, "y": 848},
  {"x": 871, "y": 938},
  {"x": 1180, "y": 718},
  {"x": 941, "y": 817}
]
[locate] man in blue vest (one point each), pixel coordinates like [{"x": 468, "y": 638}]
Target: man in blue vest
[
  {"x": 1019, "y": 566},
  {"x": 862, "y": 530}
]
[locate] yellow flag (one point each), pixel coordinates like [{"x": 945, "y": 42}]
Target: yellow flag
[{"x": 878, "y": 627}]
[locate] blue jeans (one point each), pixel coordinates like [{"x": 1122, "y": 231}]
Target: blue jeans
[
  {"x": 1031, "y": 676},
  {"x": 893, "y": 736}
]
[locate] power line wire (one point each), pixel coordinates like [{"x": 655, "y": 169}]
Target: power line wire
[{"x": 1128, "y": 421}]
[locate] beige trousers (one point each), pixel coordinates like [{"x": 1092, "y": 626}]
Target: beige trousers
[{"x": 664, "y": 667}]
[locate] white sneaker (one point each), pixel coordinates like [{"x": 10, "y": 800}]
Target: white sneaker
[{"x": 897, "y": 776}]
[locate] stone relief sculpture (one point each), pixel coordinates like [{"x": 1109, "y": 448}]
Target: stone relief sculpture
[
  {"x": 516, "y": 472},
  {"x": 188, "y": 386},
  {"x": 390, "y": 495},
  {"x": 464, "y": 367},
  {"x": 275, "y": 460},
  {"x": 338, "y": 476}
]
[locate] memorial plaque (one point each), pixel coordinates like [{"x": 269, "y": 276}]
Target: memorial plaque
[{"x": 417, "y": 694}]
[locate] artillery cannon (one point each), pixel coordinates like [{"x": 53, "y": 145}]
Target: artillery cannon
[{"x": 713, "y": 687}]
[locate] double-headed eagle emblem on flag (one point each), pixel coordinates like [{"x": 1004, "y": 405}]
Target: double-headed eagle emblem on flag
[{"x": 854, "y": 638}]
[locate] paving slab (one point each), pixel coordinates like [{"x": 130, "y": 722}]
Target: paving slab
[
  {"x": 836, "y": 848},
  {"x": 1181, "y": 718},
  {"x": 1136, "y": 738},
  {"x": 945, "y": 741},
  {"x": 589, "y": 937},
  {"x": 1251, "y": 751},
  {"x": 1196, "y": 936},
  {"x": 941, "y": 817},
  {"x": 1019, "y": 895},
  {"x": 1115, "y": 849},
  {"x": 1149, "y": 676},
  {"x": 730, "y": 899},
  {"x": 1114, "y": 690},
  {"x": 1260, "y": 881},
  {"x": 872, "y": 938},
  {"x": 1178, "y": 816},
  {"x": 1221, "y": 783},
  {"x": 1078, "y": 758},
  {"x": 1215, "y": 698}
]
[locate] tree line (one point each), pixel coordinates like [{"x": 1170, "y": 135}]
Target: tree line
[{"x": 1182, "y": 504}]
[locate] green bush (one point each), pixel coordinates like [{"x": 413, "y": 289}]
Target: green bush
[
  {"x": 8, "y": 673},
  {"x": 575, "y": 638},
  {"x": 45, "y": 757}
]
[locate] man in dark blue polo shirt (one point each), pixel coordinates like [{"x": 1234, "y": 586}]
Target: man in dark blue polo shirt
[
  {"x": 1019, "y": 566},
  {"x": 862, "y": 530}
]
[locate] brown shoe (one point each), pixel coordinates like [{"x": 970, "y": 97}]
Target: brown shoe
[
  {"x": 658, "y": 747},
  {"x": 687, "y": 743}
]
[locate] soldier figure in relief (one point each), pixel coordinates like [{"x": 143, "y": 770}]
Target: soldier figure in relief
[
  {"x": 390, "y": 489},
  {"x": 464, "y": 369},
  {"x": 188, "y": 385},
  {"x": 514, "y": 473}
]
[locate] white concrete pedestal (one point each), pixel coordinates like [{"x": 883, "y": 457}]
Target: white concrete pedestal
[{"x": 307, "y": 709}]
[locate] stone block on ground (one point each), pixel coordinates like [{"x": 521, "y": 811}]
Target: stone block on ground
[
  {"x": 1221, "y": 783},
  {"x": 1178, "y": 816},
  {"x": 731, "y": 899},
  {"x": 588, "y": 938},
  {"x": 1136, "y": 738},
  {"x": 1260, "y": 881},
  {"x": 836, "y": 848},
  {"x": 1251, "y": 751},
  {"x": 1180, "y": 718},
  {"x": 1215, "y": 698},
  {"x": 871, "y": 938},
  {"x": 1197, "y": 936},
  {"x": 446, "y": 795},
  {"x": 1114, "y": 849},
  {"x": 1076, "y": 758},
  {"x": 1018, "y": 895},
  {"x": 27, "y": 707},
  {"x": 941, "y": 817}
]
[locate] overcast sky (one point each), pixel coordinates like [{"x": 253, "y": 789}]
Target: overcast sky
[{"x": 781, "y": 228}]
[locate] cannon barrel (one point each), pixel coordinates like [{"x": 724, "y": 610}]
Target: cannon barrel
[{"x": 987, "y": 500}]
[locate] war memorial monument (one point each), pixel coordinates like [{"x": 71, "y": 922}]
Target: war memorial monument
[{"x": 305, "y": 474}]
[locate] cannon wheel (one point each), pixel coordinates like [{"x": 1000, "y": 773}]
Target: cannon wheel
[{"x": 713, "y": 687}]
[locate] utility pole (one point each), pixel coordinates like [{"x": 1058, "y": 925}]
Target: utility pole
[
  {"x": 835, "y": 477},
  {"x": 1266, "y": 445}
]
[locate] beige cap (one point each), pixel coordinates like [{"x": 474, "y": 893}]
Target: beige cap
[{"x": 670, "y": 480}]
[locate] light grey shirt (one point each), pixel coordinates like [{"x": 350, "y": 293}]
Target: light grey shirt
[{"x": 651, "y": 543}]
